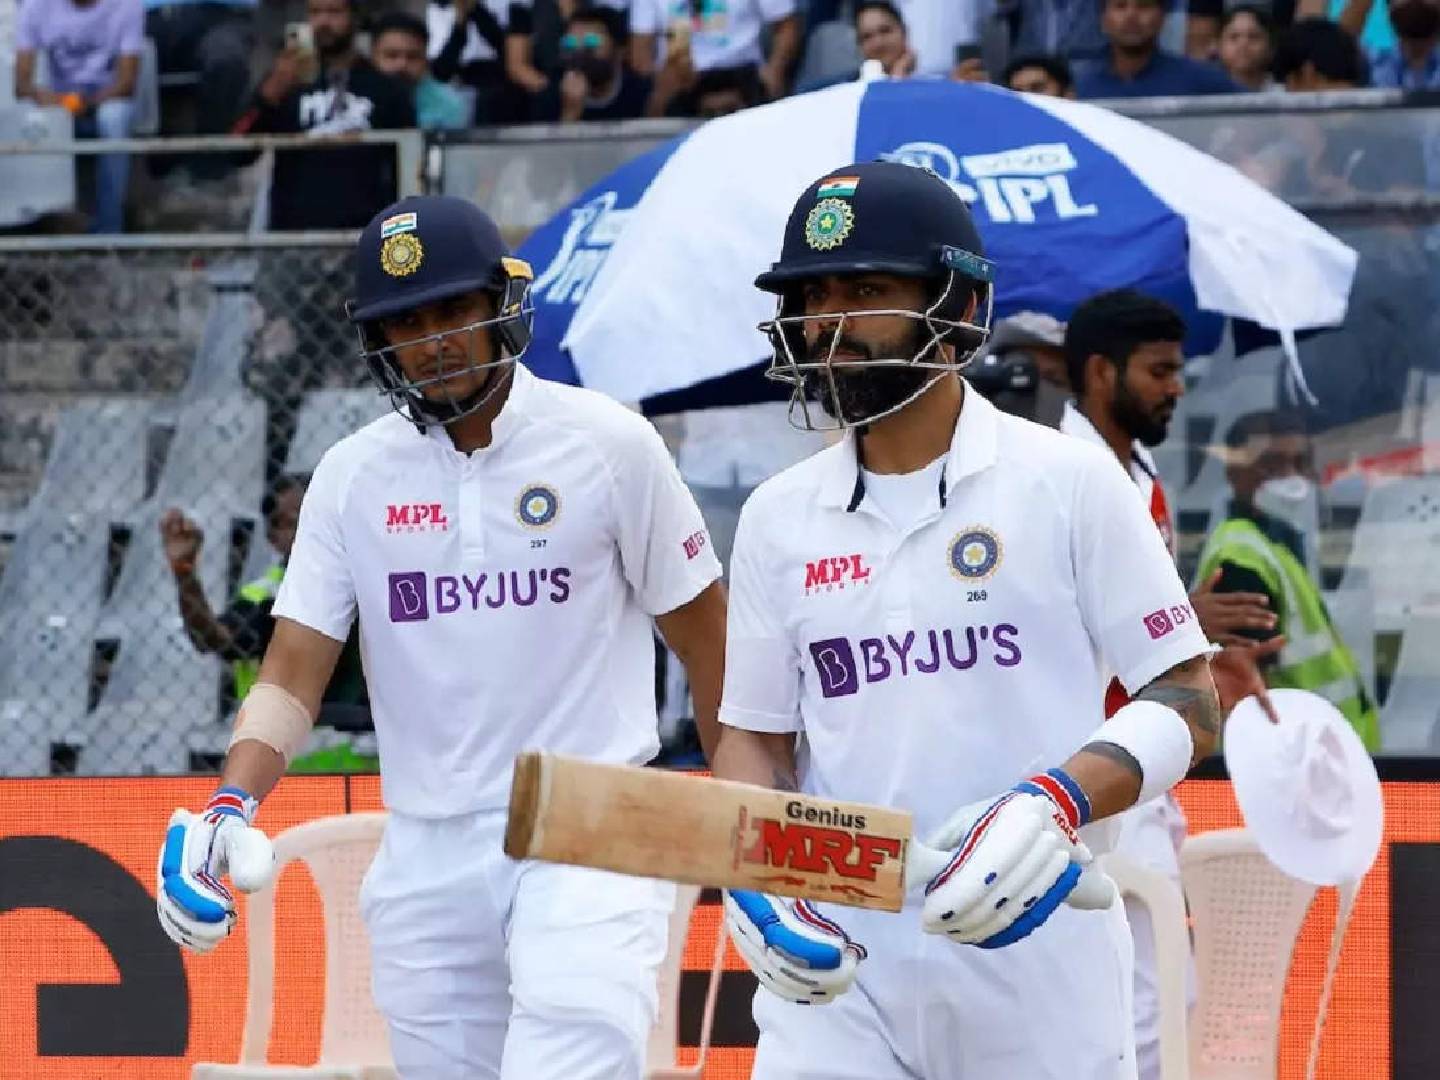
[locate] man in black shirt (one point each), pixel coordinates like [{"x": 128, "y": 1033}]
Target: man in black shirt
[
  {"x": 597, "y": 84},
  {"x": 332, "y": 91}
]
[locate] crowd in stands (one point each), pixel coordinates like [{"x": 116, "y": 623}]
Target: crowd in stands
[{"x": 338, "y": 67}]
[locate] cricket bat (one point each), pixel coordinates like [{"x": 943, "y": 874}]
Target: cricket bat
[{"x": 717, "y": 833}]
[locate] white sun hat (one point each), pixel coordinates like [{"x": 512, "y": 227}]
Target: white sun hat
[{"x": 1306, "y": 786}]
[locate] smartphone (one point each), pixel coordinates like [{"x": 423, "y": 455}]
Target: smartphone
[
  {"x": 966, "y": 52},
  {"x": 299, "y": 37}
]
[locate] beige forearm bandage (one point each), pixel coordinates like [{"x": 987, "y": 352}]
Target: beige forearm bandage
[{"x": 274, "y": 716}]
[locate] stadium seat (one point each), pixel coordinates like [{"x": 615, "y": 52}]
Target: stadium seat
[
  {"x": 32, "y": 185},
  {"x": 354, "y": 1042},
  {"x": 1353, "y": 613},
  {"x": 230, "y": 324},
  {"x": 1166, "y": 905},
  {"x": 147, "y": 92},
  {"x": 1410, "y": 718},
  {"x": 326, "y": 417},
  {"x": 1246, "y": 917},
  {"x": 50, "y": 598},
  {"x": 662, "y": 1055},
  {"x": 1395, "y": 543},
  {"x": 97, "y": 459}
]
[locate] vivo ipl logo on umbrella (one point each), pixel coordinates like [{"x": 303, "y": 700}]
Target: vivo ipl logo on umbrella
[
  {"x": 594, "y": 227},
  {"x": 1016, "y": 187}
]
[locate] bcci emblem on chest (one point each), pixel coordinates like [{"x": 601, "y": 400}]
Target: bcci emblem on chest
[
  {"x": 537, "y": 506},
  {"x": 975, "y": 554}
]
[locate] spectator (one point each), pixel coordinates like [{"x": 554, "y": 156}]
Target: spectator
[
  {"x": 1247, "y": 46},
  {"x": 937, "y": 27},
  {"x": 92, "y": 49},
  {"x": 1315, "y": 54},
  {"x": 241, "y": 633},
  {"x": 597, "y": 83},
  {"x": 467, "y": 42},
  {"x": 1136, "y": 65},
  {"x": 213, "y": 39},
  {"x": 523, "y": 33},
  {"x": 1047, "y": 75},
  {"x": 1261, "y": 547},
  {"x": 1068, "y": 28},
  {"x": 1413, "y": 62},
  {"x": 1206, "y": 19},
  {"x": 722, "y": 91},
  {"x": 715, "y": 36},
  {"x": 398, "y": 47},
  {"x": 333, "y": 91},
  {"x": 881, "y": 34}
]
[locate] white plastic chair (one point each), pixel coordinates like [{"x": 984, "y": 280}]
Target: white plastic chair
[
  {"x": 354, "y": 1041},
  {"x": 1247, "y": 915},
  {"x": 661, "y": 1056},
  {"x": 1162, "y": 898}
]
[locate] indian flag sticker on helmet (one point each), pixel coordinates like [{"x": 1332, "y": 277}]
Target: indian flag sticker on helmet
[
  {"x": 828, "y": 224},
  {"x": 398, "y": 223},
  {"x": 838, "y": 186},
  {"x": 401, "y": 255}
]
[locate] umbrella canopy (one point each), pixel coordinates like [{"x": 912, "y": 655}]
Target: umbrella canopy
[{"x": 645, "y": 283}]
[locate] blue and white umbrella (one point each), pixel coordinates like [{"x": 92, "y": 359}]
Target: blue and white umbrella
[{"x": 645, "y": 284}]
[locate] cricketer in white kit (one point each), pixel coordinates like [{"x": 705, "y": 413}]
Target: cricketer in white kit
[
  {"x": 921, "y": 616},
  {"x": 505, "y": 542}
]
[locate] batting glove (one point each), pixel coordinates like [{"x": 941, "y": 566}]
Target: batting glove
[
  {"x": 196, "y": 911},
  {"x": 793, "y": 950},
  {"x": 1015, "y": 860}
]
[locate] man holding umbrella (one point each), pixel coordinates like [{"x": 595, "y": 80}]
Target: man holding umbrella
[{"x": 932, "y": 603}]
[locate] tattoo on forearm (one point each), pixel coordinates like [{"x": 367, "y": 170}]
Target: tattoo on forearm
[
  {"x": 1199, "y": 706},
  {"x": 1118, "y": 754}
]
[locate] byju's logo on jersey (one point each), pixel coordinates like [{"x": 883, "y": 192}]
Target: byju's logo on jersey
[
  {"x": 1167, "y": 620},
  {"x": 416, "y": 596},
  {"x": 835, "y": 572},
  {"x": 1014, "y": 187},
  {"x": 974, "y": 554},
  {"x": 416, "y": 517},
  {"x": 537, "y": 506},
  {"x": 841, "y": 667}
]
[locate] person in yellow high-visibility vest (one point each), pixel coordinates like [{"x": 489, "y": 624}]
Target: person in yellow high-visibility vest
[
  {"x": 241, "y": 632},
  {"x": 1260, "y": 547}
]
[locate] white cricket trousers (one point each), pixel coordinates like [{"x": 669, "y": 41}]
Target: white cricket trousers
[
  {"x": 489, "y": 968},
  {"x": 1053, "y": 1006},
  {"x": 1151, "y": 835}
]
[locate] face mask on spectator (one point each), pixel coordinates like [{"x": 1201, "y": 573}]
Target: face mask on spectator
[
  {"x": 1295, "y": 500},
  {"x": 1415, "y": 19}
]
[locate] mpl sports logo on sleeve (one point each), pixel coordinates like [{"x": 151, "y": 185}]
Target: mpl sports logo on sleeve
[{"x": 1167, "y": 620}]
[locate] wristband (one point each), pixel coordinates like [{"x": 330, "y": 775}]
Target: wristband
[
  {"x": 1159, "y": 740},
  {"x": 231, "y": 801}
]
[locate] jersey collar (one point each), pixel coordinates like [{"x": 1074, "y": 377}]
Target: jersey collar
[
  {"x": 1074, "y": 422},
  {"x": 973, "y": 448},
  {"x": 511, "y": 417}
]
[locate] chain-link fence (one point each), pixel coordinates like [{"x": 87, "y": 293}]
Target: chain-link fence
[{"x": 181, "y": 384}]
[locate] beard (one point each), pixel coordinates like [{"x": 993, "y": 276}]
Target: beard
[
  {"x": 1149, "y": 426},
  {"x": 856, "y": 395}
]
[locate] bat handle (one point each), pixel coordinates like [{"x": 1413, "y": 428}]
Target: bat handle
[{"x": 922, "y": 863}]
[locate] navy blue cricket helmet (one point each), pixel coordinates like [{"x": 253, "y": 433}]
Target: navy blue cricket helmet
[
  {"x": 421, "y": 250},
  {"x": 878, "y": 217}
]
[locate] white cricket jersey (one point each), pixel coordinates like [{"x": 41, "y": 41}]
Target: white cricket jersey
[
  {"x": 1141, "y": 468},
  {"x": 936, "y": 665},
  {"x": 505, "y": 596}
]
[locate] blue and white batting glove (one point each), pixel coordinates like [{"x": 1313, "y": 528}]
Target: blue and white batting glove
[
  {"x": 793, "y": 950},
  {"x": 196, "y": 911},
  {"x": 1015, "y": 860}
]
